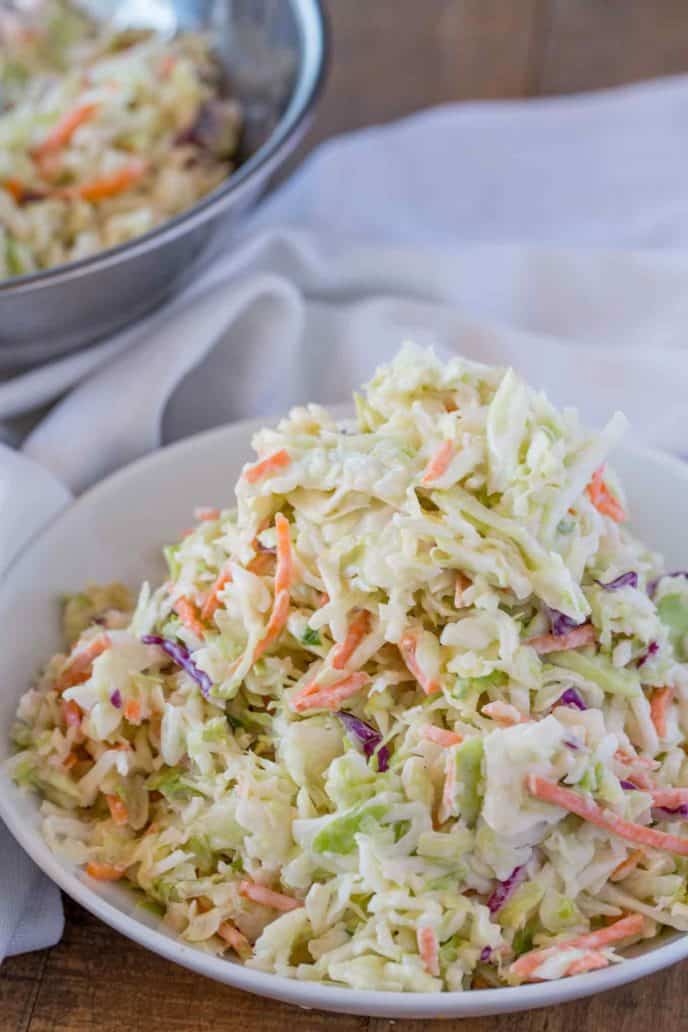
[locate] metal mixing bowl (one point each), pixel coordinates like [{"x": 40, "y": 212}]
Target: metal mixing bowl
[{"x": 275, "y": 55}]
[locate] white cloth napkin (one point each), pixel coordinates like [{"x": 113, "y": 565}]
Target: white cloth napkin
[{"x": 462, "y": 228}]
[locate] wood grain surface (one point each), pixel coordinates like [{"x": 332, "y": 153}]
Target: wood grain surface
[{"x": 391, "y": 57}]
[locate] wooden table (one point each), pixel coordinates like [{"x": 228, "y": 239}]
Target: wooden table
[{"x": 391, "y": 57}]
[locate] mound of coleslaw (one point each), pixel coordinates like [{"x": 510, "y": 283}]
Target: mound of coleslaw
[{"x": 410, "y": 716}]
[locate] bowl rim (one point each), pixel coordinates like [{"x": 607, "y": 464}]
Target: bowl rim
[
  {"x": 313, "y": 27},
  {"x": 318, "y": 995}
]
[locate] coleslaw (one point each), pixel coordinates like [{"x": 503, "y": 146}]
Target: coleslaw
[
  {"x": 410, "y": 715},
  {"x": 104, "y": 132}
]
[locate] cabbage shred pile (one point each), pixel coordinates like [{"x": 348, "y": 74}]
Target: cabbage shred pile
[
  {"x": 410, "y": 716},
  {"x": 104, "y": 132}
]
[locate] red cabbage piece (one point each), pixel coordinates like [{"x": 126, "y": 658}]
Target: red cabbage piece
[
  {"x": 626, "y": 580},
  {"x": 652, "y": 586},
  {"x": 628, "y": 785},
  {"x": 485, "y": 954},
  {"x": 505, "y": 889},
  {"x": 116, "y": 698},
  {"x": 560, "y": 623},
  {"x": 652, "y": 650},
  {"x": 181, "y": 656},
  {"x": 571, "y": 698},
  {"x": 368, "y": 737},
  {"x": 671, "y": 813},
  {"x": 570, "y": 744}
]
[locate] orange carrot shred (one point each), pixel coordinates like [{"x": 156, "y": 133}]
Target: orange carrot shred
[
  {"x": 440, "y": 736},
  {"x": 567, "y": 799},
  {"x": 212, "y": 602},
  {"x": 602, "y": 498},
  {"x": 575, "y": 639},
  {"x": 104, "y": 872},
  {"x": 110, "y": 184},
  {"x": 504, "y": 713},
  {"x": 71, "y": 712},
  {"x": 358, "y": 628},
  {"x": 118, "y": 809},
  {"x": 80, "y": 664},
  {"x": 132, "y": 711},
  {"x": 62, "y": 133},
  {"x": 276, "y": 623},
  {"x": 284, "y": 572},
  {"x": 188, "y": 614},
  {"x": 623, "y": 869},
  {"x": 331, "y": 696},
  {"x": 279, "y": 460},
  {"x": 429, "y": 950},
  {"x": 268, "y": 897},
  {"x": 439, "y": 462},
  {"x": 407, "y": 647},
  {"x": 234, "y": 939},
  {"x": 659, "y": 704}
]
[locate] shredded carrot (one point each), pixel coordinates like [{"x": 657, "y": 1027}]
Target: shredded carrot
[
  {"x": 188, "y": 614},
  {"x": 329, "y": 696},
  {"x": 276, "y": 623},
  {"x": 118, "y": 809},
  {"x": 659, "y": 704},
  {"x": 279, "y": 460},
  {"x": 358, "y": 628},
  {"x": 504, "y": 713},
  {"x": 429, "y": 950},
  {"x": 132, "y": 711},
  {"x": 324, "y": 599},
  {"x": 602, "y": 498},
  {"x": 461, "y": 584},
  {"x": 110, "y": 184},
  {"x": 551, "y": 792},
  {"x": 407, "y": 648},
  {"x": 638, "y": 767},
  {"x": 624, "y": 928},
  {"x": 80, "y": 665},
  {"x": 261, "y": 563},
  {"x": 71, "y": 712},
  {"x": 671, "y": 798},
  {"x": 213, "y": 601},
  {"x": 70, "y": 760},
  {"x": 233, "y": 937},
  {"x": 62, "y": 133},
  {"x": 439, "y": 736},
  {"x": 206, "y": 513},
  {"x": 575, "y": 639},
  {"x": 588, "y": 962},
  {"x": 623, "y": 869},
  {"x": 268, "y": 897},
  {"x": 14, "y": 187},
  {"x": 284, "y": 572},
  {"x": 439, "y": 462},
  {"x": 104, "y": 872}
]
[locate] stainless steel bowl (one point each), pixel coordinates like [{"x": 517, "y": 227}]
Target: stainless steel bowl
[{"x": 275, "y": 54}]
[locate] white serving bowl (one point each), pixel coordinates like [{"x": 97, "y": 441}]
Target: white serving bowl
[{"x": 115, "y": 532}]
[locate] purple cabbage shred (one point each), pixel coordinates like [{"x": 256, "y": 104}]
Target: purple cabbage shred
[
  {"x": 572, "y": 698},
  {"x": 671, "y": 812},
  {"x": 570, "y": 744},
  {"x": 116, "y": 698},
  {"x": 628, "y": 785},
  {"x": 626, "y": 580},
  {"x": 652, "y": 650},
  {"x": 505, "y": 889},
  {"x": 485, "y": 954},
  {"x": 369, "y": 738},
  {"x": 181, "y": 656},
  {"x": 560, "y": 623}
]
